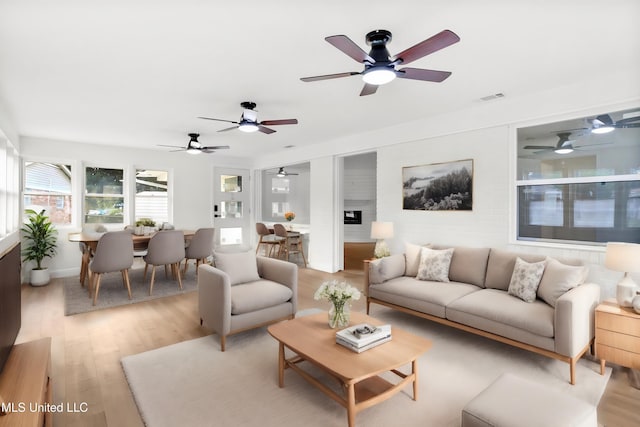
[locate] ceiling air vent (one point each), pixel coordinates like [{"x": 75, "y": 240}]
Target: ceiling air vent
[{"x": 490, "y": 97}]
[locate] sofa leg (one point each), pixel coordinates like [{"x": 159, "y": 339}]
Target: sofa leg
[
  {"x": 367, "y": 305},
  {"x": 572, "y": 370},
  {"x": 222, "y": 342},
  {"x": 201, "y": 321}
]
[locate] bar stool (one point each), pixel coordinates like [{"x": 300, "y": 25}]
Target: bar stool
[
  {"x": 267, "y": 239},
  {"x": 292, "y": 244}
]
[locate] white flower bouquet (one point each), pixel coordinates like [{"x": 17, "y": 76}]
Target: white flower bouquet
[{"x": 338, "y": 293}]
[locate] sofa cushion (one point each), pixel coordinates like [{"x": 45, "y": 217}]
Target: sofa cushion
[
  {"x": 469, "y": 265},
  {"x": 249, "y": 297},
  {"x": 526, "y": 279},
  {"x": 500, "y": 267},
  {"x": 412, "y": 258},
  {"x": 386, "y": 268},
  {"x": 241, "y": 267},
  {"x": 500, "y": 313},
  {"x": 423, "y": 296},
  {"x": 559, "y": 278},
  {"x": 434, "y": 264}
]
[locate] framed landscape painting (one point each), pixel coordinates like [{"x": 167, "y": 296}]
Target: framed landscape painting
[{"x": 438, "y": 187}]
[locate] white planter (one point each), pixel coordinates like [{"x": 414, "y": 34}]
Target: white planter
[{"x": 39, "y": 277}]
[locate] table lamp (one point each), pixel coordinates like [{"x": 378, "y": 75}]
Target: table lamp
[
  {"x": 381, "y": 231},
  {"x": 624, "y": 257}
]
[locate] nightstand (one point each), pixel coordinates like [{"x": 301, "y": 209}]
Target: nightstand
[{"x": 617, "y": 335}]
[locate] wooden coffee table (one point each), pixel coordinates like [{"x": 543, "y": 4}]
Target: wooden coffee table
[{"x": 313, "y": 341}]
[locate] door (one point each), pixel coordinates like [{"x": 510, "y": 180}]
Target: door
[{"x": 231, "y": 212}]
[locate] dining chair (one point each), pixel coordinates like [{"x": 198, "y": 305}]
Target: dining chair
[
  {"x": 291, "y": 244},
  {"x": 200, "y": 248},
  {"x": 114, "y": 252},
  {"x": 165, "y": 248},
  {"x": 139, "y": 248},
  {"x": 269, "y": 241}
]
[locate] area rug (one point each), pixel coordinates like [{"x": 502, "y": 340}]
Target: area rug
[
  {"x": 113, "y": 293},
  {"x": 193, "y": 383}
]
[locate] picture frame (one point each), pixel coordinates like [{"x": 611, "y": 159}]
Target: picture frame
[{"x": 444, "y": 186}]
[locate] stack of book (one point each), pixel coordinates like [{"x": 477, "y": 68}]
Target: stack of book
[{"x": 362, "y": 337}]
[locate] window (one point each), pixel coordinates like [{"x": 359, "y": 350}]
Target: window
[
  {"x": 588, "y": 193},
  {"x": 9, "y": 188},
  {"x": 152, "y": 199},
  {"x": 47, "y": 186},
  {"x": 104, "y": 198}
]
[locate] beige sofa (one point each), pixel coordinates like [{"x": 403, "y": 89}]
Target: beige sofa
[{"x": 558, "y": 323}]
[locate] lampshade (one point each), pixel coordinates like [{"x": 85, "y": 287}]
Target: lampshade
[
  {"x": 623, "y": 257},
  {"x": 381, "y": 230}
]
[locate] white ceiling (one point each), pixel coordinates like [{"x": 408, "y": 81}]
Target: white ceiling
[{"x": 139, "y": 72}]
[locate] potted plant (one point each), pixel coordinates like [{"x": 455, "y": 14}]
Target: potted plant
[{"x": 40, "y": 242}]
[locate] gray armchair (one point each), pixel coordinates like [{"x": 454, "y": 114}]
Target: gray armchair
[{"x": 244, "y": 292}]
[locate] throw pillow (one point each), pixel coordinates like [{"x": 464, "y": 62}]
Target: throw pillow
[
  {"x": 558, "y": 278},
  {"x": 526, "y": 279},
  {"x": 412, "y": 258},
  {"x": 241, "y": 267},
  {"x": 434, "y": 264},
  {"x": 386, "y": 268}
]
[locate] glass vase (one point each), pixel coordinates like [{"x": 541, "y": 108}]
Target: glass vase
[{"x": 339, "y": 315}]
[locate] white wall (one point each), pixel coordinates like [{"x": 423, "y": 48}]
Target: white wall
[
  {"x": 191, "y": 180},
  {"x": 359, "y": 185},
  {"x": 324, "y": 253},
  {"x": 484, "y": 225}
]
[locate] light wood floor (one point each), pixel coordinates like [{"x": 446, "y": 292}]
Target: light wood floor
[{"x": 87, "y": 348}]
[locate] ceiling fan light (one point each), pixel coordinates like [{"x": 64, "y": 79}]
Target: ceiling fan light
[
  {"x": 248, "y": 127},
  {"x": 193, "y": 151},
  {"x": 565, "y": 150},
  {"x": 378, "y": 75},
  {"x": 602, "y": 129}
]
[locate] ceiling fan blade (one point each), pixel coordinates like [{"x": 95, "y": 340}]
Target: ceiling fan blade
[
  {"x": 422, "y": 74},
  {"x": 628, "y": 120},
  {"x": 171, "y": 146},
  {"x": 538, "y": 147},
  {"x": 329, "y": 76},
  {"x": 368, "y": 89},
  {"x": 181, "y": 149},
  {"x": 279, "y": 122},
  {"x": 207, "y": 151},
  {"x": 626, "y": 125},
  {"x": 226, "y": 129},
  {"x": 348, "y": 47},
  {"x": 218, "y": 120},
  {"x": 265, "y": 129},
  {"x": 433, "y": 44},
  {"x": 215, "y": 147}
]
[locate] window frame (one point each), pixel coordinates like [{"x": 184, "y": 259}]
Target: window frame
[{"x": 514, "y": 210}]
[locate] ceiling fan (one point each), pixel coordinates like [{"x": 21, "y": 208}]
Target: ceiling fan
[
  {"x": 195, "y": 147},
  {"x": 283, "y": 173},
  {"x": 249, "y": 120},
  {"x": 380, "y": 66},
  {"x": 605, "y": 124},
  {"x": 563, "y": 146}
]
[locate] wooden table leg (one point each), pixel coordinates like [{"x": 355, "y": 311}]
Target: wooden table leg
[
  {"x": 414, "y": 370},
  {"x": 281, "y": 365},
  {"x": 351, "y": 404},
  {"x": 602, "y": 365}
]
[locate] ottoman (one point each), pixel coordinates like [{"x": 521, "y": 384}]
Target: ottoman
[{"x": 512, "y": 401}]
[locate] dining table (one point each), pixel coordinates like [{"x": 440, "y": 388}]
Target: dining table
[{"x": 90, "y": 239}]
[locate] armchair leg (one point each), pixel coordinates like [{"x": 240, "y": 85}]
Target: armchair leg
[{"x": 223, "y": 340}]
